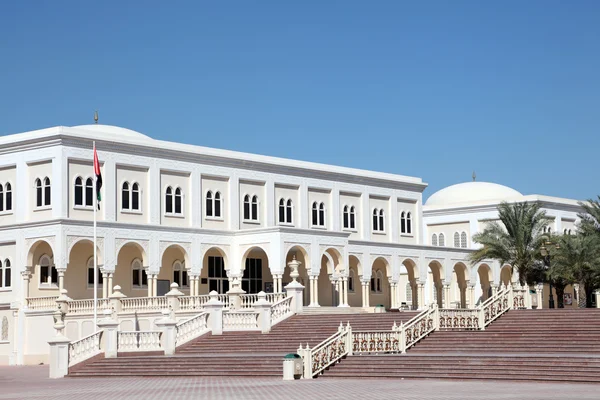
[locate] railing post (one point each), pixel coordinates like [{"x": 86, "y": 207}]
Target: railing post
[
  {"x": 511, "y": 298},
  {"x": 294, "y": 290},
  {"x": 263, "y": 308},
  {"x": 235, "y": 301},
  {"x": 215, "y": 309},
  {"x": 597, "y": 294},
  {"x": 307, "y": 363},
  {"x": 436, "y": 317},
  {"x": 168, "y": 325},
  {"x": 481, "y": 316},
  {"x": 402, "y": 339},
  {"x": 115, "y": 300},
  {"x": 110, "y": 326},
  {"x": 349, "y": 340},
  {"x": 62, "y": 302},
  {"x": 59, "y": 356},
  {"x": 173, "y": 298}
]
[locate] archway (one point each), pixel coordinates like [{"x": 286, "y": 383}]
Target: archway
[
  {"x": 484, "y": 273},
  {"x": 131, "y": 271},
  {"x": 458, "y": 286},
  {"x": 79, "y": 275},
  {"x": 379, "y": 293},
  {"x": 302, "y": 257},
  {"x": 256, "y": 271},
  {"x": 215, "y": 271},
  {"x": 44, "y": 275},
  {"x": 407, "y": 284},
  {"x": 355, "y": 291},
  {"x": 434, "y": 292},
  {"x": 174, "y": 268},
  {"x": 506, "y": 275}
]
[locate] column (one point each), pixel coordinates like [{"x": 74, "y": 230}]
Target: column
[
  {"x": 471, "y": 296},
  {"x": 393, "y": 295},
  {"x": 154, "y": 281},
  {"x": 340, "y": 289},
  {"x": 26, "y": 276},
  {"x": 312, "y": 290},
  {"x": 345, "y": 286},
  {"x": 149, "y": 283},
  {"x": 366, "y": 299},
  {"x": 316, "y": 291},
  {"x": 61, "y": 280},
  {"x": 104, "y": 285},
  {"x": 110, "y": 284},
  {"x": 446, "y": 289},
  {"x": 539, "y": 290},
  {"x": 421, "y": 295}
]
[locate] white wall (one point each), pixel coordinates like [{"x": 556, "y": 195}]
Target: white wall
[{"x": 131, "y": 175}]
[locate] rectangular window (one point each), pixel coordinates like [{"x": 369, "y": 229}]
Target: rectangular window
[
  {"x": 255, "y": 211},
  {"x": 125, "y": 200},
  {"x": 135, "y": 200},
  {"x": 91, "y": 277},
  {"x": 89, "y": 196},
  {"x": 47, "y": 195},
  {"x": 315, "y": 216},
  {"x": 217, "y": 208},
  {"x": 169, "y": 203},
  {"x": 352, "y": 226},
  {"x": 144, "y": 278},
  {"x": 209, "y": 207},
  {"x": 246, "y": 210},
  {"x": 346, "y": 225},
  {"x": 44, "y": 273},
  {"x": 39, "y": 196},
  {"x": 402, "y": 225},
  {"x": 177, "y": 204},
  {"x": 135, "y": 278},
  {"x": 8, "y": 201},
  {"x": 252, "y": 281},
  {"x": 281, "y": 214}
]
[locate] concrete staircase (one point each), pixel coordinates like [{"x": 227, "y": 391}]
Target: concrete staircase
[
  {"x": 537, "y": 345},
  {"x": 240, "y": 353}
]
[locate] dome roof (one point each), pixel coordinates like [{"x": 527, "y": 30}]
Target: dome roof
[
  {"x": 471, "y": 192},
  {"x": 115, "y": 131}
]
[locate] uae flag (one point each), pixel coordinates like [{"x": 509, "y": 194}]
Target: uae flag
[{"x": 98, "y": 175}]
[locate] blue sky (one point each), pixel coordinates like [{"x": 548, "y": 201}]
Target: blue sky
[{"x": 434, "y": 89}]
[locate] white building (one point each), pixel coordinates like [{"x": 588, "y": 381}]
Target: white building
[{"x": 201, "y": 217}]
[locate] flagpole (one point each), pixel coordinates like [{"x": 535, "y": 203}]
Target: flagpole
[{"x": 95, "y": 255}]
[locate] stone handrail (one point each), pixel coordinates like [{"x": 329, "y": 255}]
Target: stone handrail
[
  {"x": 281, "y": 310},
  {"x": 326, "y": 353},
  {"x": 87, "y": 306},
  {"x": 139, "y": 341},
  {"x": 374, "y": 342},
  {"x": 248, "y": 300},
  {"x": 240, "y": 321},
  {"x": 192, "y": 328},
  {"x": 520, "y": 299},
  {"x": 187, "y": 303},
  {"x": 495, "y": 306},
  {"x": 41, "y": 303},
  {"x": 85, "y": 348},
  {"x": 461, "y": 318},
  {"x": 143, "y": 304},
  {"x": 418, "y": 327}
]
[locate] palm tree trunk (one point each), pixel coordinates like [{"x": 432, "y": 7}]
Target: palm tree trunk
[
  {"x": 581, "y": 296},
  {"x": 560, "y": 298}
]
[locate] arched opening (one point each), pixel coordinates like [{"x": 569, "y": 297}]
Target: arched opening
[
  {"x": 302, "y": 257},
  {"x": 256, "y": 272},
  {"x": 332, "y": 268},
  {"x": 484, "y": 289},
  {"x": 79, "y": 275},
  {"x": 379, "y": 287},
  {"x": 505, "y": 275},
  {"x": 174, "y": 268},
  {"x": 215, "y": 272},
  {"x": 354, "y": 282},
  {"x": 434, "y": 292},
  {"x": 458, "y": 286},
  {"x": 44, "y": 276},
  {"x": 407, "y": 284},
  {"x": 131, "y": 270}
]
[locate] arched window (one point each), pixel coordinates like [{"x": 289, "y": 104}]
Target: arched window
[
  {"x": 139, "y": 278},
  {"x": 135, "y": 196},
  {"x": 351, "y": 278},
  {"x": 409, "y": 295},
  {"x": 315, "y": 214},
  {"x": 408, "y": 223},
  {"x": 209, "y": 204},
  {"x": 403, "y": 222},
  {"x": 289, "y": 211},
  {"x": 282, "y": 211},
  {"x": 254, "y": 208},
  {"x": 434, "y": 241},
  {"x": 463, "y": 240},
  {"x": 48, "y": 272},
  {"x": 246, "y": 207},
  {"x": 322, "y": 214},
  {"x": 38, "y": 193},
  {"x": 217, "y": 205},
  {"x": 1, "y": 198},
  {"x": 381, "y": 219},
  {"x": 352, "y": 218},
  {"x": 78, "y": 191},
  {"x": 569, "y": 232},
  {"x": 180, "y": 275},
  {"x": 178, "y": 201},
  {"x": 375, "y": 220},
  {"x": 47, "y": 191},
  {"x": 8, "y": 197},
  {"x": 456, "y": 239},
  {"x": 89, "y": 192},
  {"x": 169, "y": 200},
  {"x": 442, "y": 240},
  {"x": 5, "y": 274},
  {"x": 346, "y": 217},
  {"x": 125, "y": 194},
  {"x": 377, "y": 282},
  {"x": 90, "y": 273}
]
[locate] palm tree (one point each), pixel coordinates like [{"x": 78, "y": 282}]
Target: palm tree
[
  {"x": 590, "y": 218},
  {"x": 578, "y": 259},
  {"x": 515, "y": 239}
]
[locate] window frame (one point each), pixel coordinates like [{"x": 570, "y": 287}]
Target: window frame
[
  {"x": 141, "y": 272},
  {"x": 51, "y": 269},
  {"x": 4, "y": 272},
  {"x": 129, "y": 197},
  {"x": 91, "y": 278},
  {"x": 184, "y": 278}
]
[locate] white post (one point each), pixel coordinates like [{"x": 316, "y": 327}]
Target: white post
[
  {"x": 215, "y": 308},
  {"x": 95, "y": 255},
  {"x": 110, "y": 326},
  {"x": 263, "y": 308},
  {"x": 168, "y": 326}
]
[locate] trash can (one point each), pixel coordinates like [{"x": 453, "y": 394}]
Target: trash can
[
  {"x": 292, "y": 367},
  {"x": 379, "y": 308}
]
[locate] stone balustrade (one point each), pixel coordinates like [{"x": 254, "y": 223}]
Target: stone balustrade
[
  {"x": 41, "y": 303},
  {"x": 281, "y": 310},
  {"x": 240, "y": 321},
  {"x": 85, "y": 348},
  {"x": 133, "y": 341},
  {"x": 87, "y": 306},
  {"x": 192, "y": 328},
  {"x": 459, "y": 318},
  {"x": 143, "y": 304}
]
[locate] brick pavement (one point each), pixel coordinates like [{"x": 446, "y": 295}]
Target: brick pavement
[{"x": 32, "y": 383}]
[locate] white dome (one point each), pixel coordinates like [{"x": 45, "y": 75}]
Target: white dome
[
  {"x": 111, "y": 130},
  {"x": 471, "y": 192}
]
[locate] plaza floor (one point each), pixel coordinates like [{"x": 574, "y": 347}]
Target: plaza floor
[{"x": 32, "y": 383}]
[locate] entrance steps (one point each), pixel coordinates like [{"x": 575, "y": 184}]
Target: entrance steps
[{"x": 240, "y": 353}]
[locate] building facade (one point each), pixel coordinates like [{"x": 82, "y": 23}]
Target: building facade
[{"x": 202, "y": 217}]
